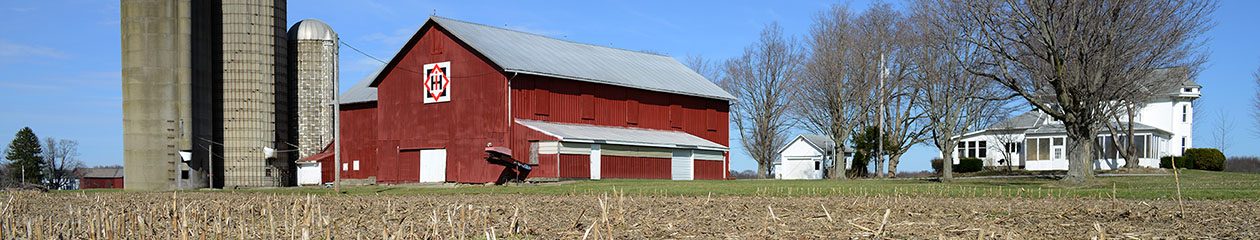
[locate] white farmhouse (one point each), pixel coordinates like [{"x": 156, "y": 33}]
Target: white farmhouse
[
  {"x": 807, "y": 157},
  {"x": 1034, "y": 141}
]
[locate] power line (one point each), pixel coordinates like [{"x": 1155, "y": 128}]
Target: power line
[{"x": 361, "y": 52}]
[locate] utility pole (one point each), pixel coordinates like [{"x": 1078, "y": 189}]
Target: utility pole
[
  {"x": 879, "y": 151},
  {"x": 337, "y": 129},
  {"x": 210, "y": 160}
]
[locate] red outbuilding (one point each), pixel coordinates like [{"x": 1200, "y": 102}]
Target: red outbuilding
[
  {"x": 91, "y": 178},
  {"x": 567, "y": 110}
]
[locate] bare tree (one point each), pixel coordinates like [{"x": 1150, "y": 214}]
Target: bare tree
[
  {"x": 762, "y": 80},
  {"x": 888, "y": 43},
  {"x": 62, "y": 156},
  {"x": 1073, "y": 59},
  {"x": 954, "y": 101},
  {"x": 829, "y": 99},
  {"x": 706, "y": 68},
  {"x": 1008, "y": 139},
  {"x": 1256, "y": 101},
  {"x": 1223, "y": 130}
]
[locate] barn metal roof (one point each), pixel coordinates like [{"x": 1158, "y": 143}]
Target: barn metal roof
[
  {"x": 568, "y": 132},
  {"x": 312, "y": 29},
  {"x": 362, "y": 91},
  {"x": 527, "y": 53},
  {"x": 101, "y": 172}
]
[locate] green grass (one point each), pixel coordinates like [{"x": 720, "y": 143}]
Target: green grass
[{"x": 1195, "y": 185}]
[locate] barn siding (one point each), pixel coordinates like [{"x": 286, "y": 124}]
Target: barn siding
[
  {"x": 575, "y": 166},
  {"x": 358, "y": 135},
  {"x": 618, "y": 107},
  {"x": 709, "y": 169},
  {"x": 475, "y": 116},
  {"x": 94, "y": 183},
  {"x": 634, "y": 167}
]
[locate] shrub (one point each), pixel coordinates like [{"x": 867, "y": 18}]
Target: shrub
[
  {"x": 967, "y": 165},
  {"x": 1182, "y": 162},
  {"x": 1209, "y": 159}
]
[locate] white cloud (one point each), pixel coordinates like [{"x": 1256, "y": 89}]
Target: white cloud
[{"x": 11, "y": 51}]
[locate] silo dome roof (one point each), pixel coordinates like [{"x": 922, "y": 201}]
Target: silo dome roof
[{"x": 312, "y": 29}]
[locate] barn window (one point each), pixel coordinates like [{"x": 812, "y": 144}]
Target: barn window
[
  {"x": 533, "y": 152},
  {"x": 542, "y": 99},
  {"x": 356, "y": 165},
  {"x": 435, "y": 47},
  {"x": 715, "y": 120},
  {"x": 588, "y": 105},
  {"x": 632, "y": 112},
  {"x": 183, "y": 174},
  {"x": 675, "y": 116}
]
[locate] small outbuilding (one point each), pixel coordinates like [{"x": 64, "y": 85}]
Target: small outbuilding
[
  {"x": 807, "y": 156},
  {"x": 93, "y": 178}
]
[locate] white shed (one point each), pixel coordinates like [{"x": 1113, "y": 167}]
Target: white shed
[{"x": 806, "y": 157}]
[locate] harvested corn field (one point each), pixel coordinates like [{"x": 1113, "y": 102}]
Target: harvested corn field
[{"x": 612, "y": 214}]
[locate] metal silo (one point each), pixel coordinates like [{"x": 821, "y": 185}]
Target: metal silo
[
  {"x": 313, "y": 50},
  {"x": 254, "y": 93}
]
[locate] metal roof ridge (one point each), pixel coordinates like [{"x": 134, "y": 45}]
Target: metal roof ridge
[{"x": 548, "y": 37}]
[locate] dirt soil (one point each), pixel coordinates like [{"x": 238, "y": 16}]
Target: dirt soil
[{"x": 261, "y": 215}]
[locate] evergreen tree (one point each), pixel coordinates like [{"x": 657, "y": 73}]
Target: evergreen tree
[{"x": 25, "y": 163}]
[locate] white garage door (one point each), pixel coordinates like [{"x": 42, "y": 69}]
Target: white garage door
[
  {"x": 682, "y": 165},
  {"x": 433, "y": 165}
]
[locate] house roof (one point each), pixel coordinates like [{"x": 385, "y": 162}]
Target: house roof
[
  {"x": 1058, "y": 129},
  {"x": 1176, "y": 73},
  {"x": 362, "y": 91},
  {"x": 101, "y": 172},
  {"x": 1026, "y": 120},
  {"x": 527, "y": 53},
  {"x": 568, "y": 132},
  {"x": 820, "y": 142}
]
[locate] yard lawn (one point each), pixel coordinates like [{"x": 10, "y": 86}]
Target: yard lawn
[{"x": 1195, "y": 185}]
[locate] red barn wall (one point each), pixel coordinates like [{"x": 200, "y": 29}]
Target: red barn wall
[
  {"x": 634, "y": 167},
  {"x": 94, "y": 183},
  {"x": 358, "y": 131},
  {"x": 475, "y": 115},
  {"x": 710, "y": 170},
  {"x": 568, "y": 101},
  {"x": 575, "y": 166}
]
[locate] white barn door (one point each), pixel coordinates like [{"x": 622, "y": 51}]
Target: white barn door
[
  {"x": 595, "y": 161},
  {"x": 682, "y": 166},
  {"x": 433, "y": 165}
]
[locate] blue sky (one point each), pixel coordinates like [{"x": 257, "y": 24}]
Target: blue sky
[{"x": 60, "y": 70}]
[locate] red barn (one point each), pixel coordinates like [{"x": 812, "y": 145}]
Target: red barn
[
  {"x": 569, "y": 110},
  {"x": 90, "y": 178}
]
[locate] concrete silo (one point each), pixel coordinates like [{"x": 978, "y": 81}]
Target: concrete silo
[
  {"x": 313, "y": 51},
  {"x": 167, "y": 78},
  {"x": 255, "y": 94}
]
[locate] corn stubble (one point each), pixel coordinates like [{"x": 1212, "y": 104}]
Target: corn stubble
[{"x": 610, "y": 215}]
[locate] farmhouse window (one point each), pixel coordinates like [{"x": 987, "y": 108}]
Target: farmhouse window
[
  {"x": 1185, "y": 113},
  {"x": 973, "y": 149}
]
